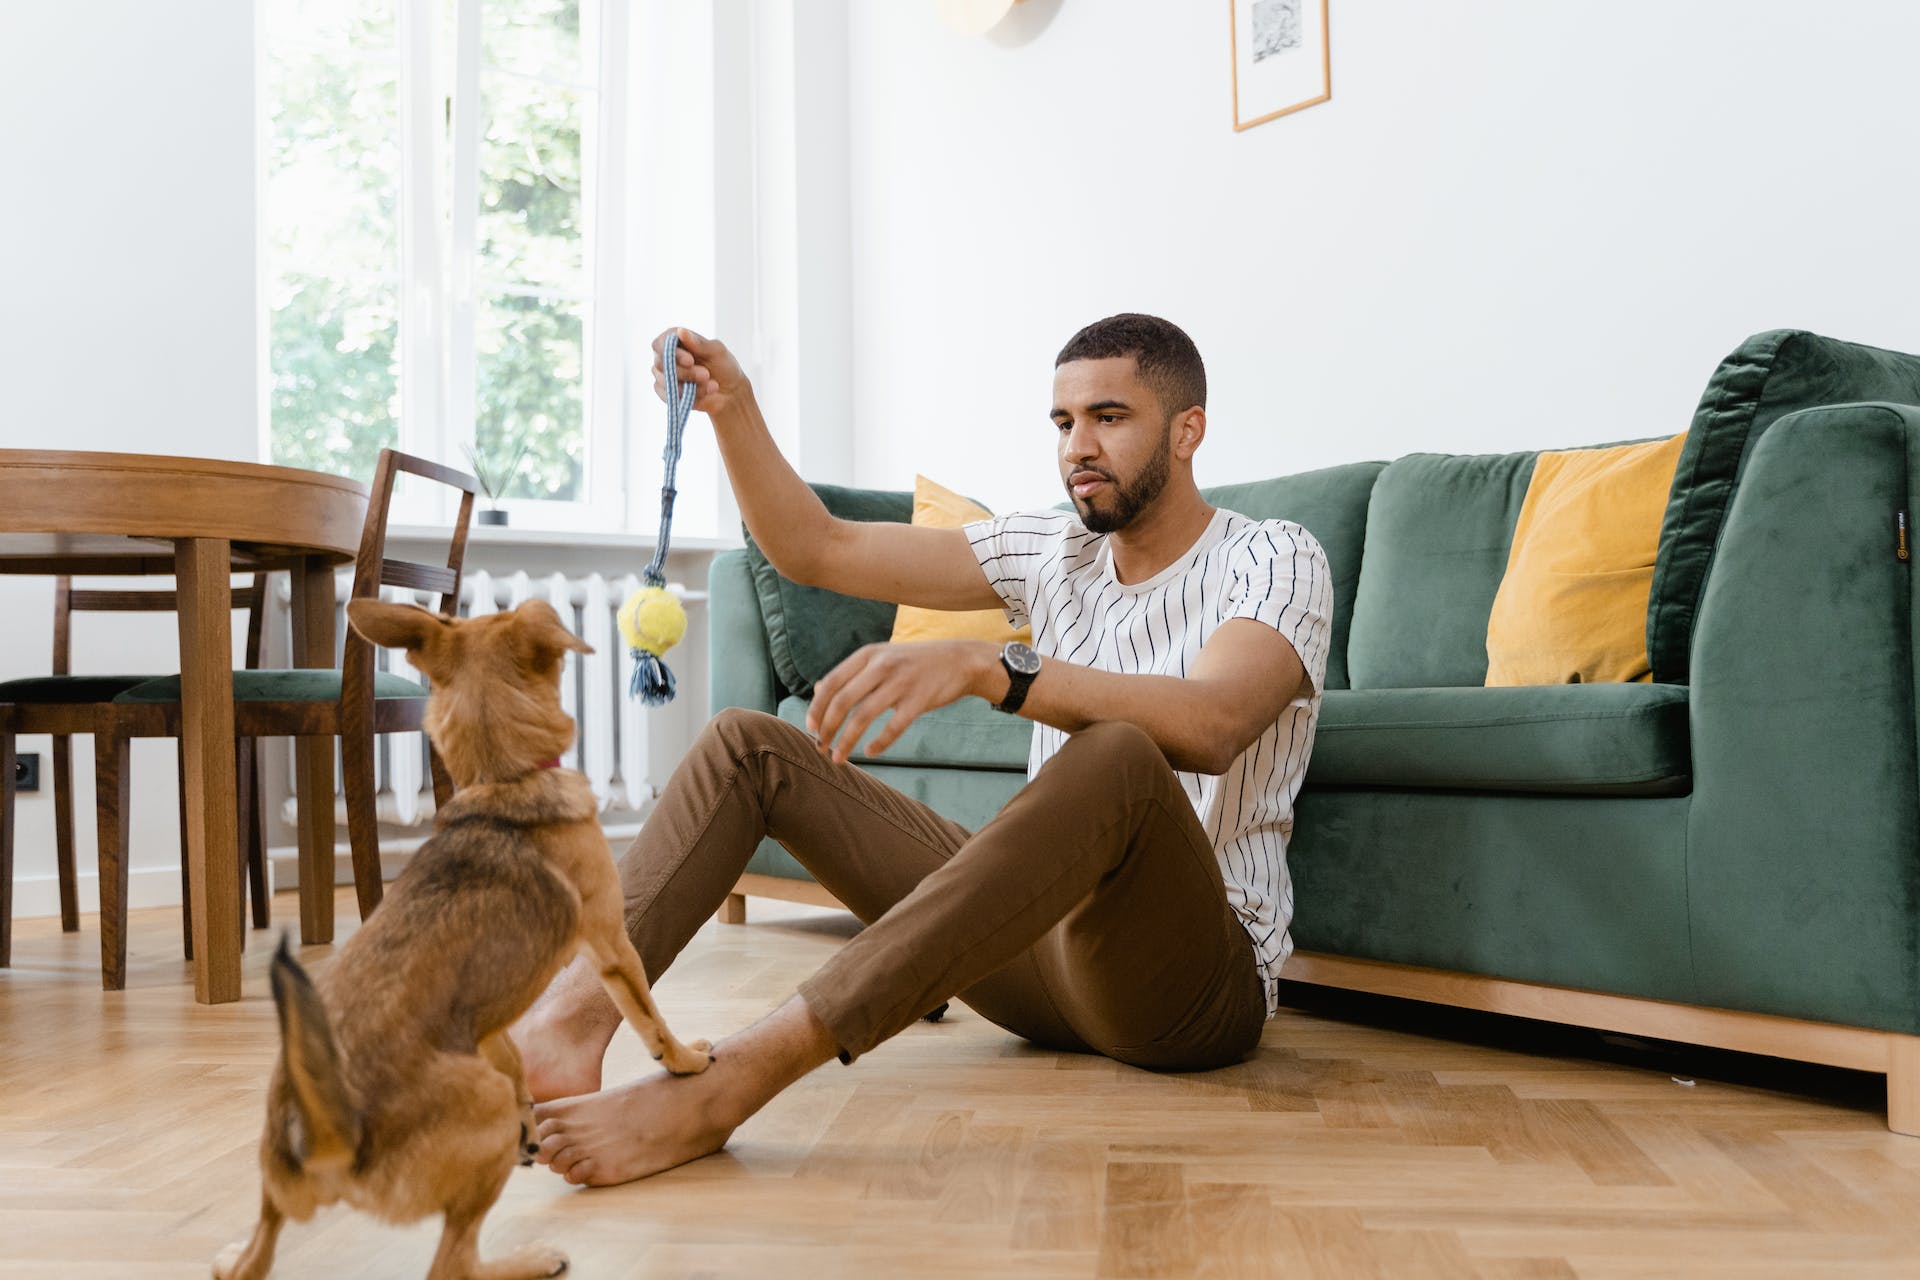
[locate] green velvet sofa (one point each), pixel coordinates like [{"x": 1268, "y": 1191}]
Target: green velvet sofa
[{"x": 1727, "y": 855}]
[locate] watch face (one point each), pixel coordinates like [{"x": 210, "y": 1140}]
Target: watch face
[{"x": 1021, "y": 658}]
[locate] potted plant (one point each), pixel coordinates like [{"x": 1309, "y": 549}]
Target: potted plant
[{"x": 494, "y": 483}]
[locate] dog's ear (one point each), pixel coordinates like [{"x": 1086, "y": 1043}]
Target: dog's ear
[
  {"x": 538, "y": 628},
  {"x": 396, "y": 626}
]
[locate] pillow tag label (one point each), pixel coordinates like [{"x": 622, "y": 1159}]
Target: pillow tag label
[{"x": 1902, "y": 548}]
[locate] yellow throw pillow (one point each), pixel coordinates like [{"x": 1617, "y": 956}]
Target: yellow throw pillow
[
  {"x": 1572, "y": 606},
  {"x": 935, "y": 507}
]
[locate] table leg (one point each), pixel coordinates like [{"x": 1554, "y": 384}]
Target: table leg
[
  {"x": 201, "y": 576},
  {"x": 313, "y": 637}
]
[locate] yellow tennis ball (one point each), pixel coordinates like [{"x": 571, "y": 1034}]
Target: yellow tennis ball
[{"x": 653, "y": 620}]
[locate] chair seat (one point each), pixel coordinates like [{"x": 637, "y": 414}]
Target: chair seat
[
  {"x": 66, "y": 689},
  {"x": 297, "y": 685},
  {"x": 1566, "y": 739}
]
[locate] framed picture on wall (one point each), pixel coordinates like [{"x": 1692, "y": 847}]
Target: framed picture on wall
[{"x": 1281, "y": 58}]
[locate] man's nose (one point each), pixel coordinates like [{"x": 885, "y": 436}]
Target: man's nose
[{"x": 1080, "y": 444}]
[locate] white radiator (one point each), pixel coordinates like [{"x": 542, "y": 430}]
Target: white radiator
[{"x": 611, "y": 745}]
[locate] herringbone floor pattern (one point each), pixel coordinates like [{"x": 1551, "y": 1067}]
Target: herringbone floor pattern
[{"x": 1368, "y": 1139}]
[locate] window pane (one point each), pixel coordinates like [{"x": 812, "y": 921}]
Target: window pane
[
  {"x": 535, "y": 38},
  {"x": 531, "y": 441},
  {"x": 333, "y": 191},
  {"x": 531, "y": 203}
]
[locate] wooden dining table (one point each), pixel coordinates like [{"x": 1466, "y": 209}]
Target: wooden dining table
[{"x": 201, "y": 520}]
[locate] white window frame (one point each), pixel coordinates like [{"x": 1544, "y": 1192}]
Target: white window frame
[{"x": 439, "y": 280}]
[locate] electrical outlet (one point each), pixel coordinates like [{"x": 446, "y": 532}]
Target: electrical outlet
[{"x": 26, "y": 771}]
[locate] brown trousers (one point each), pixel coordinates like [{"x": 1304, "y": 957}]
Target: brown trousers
[{"x": 1089, "y": 915}]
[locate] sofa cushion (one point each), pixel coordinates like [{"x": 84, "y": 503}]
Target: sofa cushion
[
  {"x": 1573, "y": 739},
  {"x": 937, "y": 507},
  {"x": 1572, "y": 605},
  {"x": 1332, "y": 505},
  {"x": 809, "y": 630},
  {"x": 967, "y": 734},
  {"x": 1767, "y": 377},
  {"x": 1438, "y": 531}
]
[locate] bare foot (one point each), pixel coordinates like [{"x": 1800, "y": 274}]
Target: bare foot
[
  {"x": 563, "y": 1039},
  {"x": 663, "y": 1121},
  {"x": 637, "y": 1129}
]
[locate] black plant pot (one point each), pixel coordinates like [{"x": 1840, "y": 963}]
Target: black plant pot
[{"x": 492, "y": 515}]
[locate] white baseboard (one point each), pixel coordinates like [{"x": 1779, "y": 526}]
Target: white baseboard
[
  {"x": 160, "y": 886},
  {"x": 146, "y": 887}
]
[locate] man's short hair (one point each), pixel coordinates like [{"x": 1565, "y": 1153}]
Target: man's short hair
[{"x": 1166, "y": 357}]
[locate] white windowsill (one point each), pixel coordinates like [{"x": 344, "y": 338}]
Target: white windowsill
[{"x": 494, "y": 535}]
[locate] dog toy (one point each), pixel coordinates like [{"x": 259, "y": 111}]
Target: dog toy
[{"x": 653, "y": 619}]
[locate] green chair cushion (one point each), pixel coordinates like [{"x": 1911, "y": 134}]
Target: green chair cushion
[
  {"x": 809, "y": 630},
  {"x": 1332, "y": 505},
  {"x": 1569, "y": 739},
  {"x": 298, "y": 685},
  {"x": 1438, "y": 530},
  {"x": 1769, "y": 376},
  {"x": 968, "y": 734},
  {"x": 46, "y": 689}
]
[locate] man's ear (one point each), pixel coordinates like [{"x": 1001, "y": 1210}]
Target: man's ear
[
  {"x": 1189, "y": 429},
  {"x": 395, "y": 626},
  {"x": 538, "y": 627}
]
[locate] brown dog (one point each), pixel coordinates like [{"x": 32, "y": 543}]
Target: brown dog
[{"x": 397, "y": 1089}]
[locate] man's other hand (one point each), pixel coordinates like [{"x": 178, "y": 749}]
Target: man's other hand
[{"x": 906, "y": 679}]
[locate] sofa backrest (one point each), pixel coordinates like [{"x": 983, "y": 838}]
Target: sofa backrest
[
  {"x": 1440, "y": 526},
  {"x": 1767, "y": 377},
  {"x": 809, "y": 629},
  {"x": 1438, "y": 530},
  {"x": 1331, "y": 504}
]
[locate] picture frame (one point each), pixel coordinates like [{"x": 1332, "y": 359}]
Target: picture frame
[{"x": 1275, "y": 70}]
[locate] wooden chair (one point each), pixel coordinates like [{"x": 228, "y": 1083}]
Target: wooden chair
[
  {"x": 62, "y": 704},
  {"x": 353, "y": 703}
]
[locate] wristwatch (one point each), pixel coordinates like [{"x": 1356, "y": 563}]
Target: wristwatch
[{"x": 1022, "y": 665}]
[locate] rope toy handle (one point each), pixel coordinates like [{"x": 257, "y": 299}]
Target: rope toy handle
[{"x": 653, "y": 620}]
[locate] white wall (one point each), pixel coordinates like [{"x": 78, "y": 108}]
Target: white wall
[
  {"x": 1516, "y": 225},
  {"x": 127, "y": 265}
]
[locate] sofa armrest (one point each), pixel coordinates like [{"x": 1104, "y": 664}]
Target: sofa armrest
[
  {"x": 1803, "y": 862},
  {"x": 739, "y": 662}
]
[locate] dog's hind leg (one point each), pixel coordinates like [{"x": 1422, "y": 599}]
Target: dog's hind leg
[
  {"x": 505, "y": 1056},
  {"x": 626, "y": 981},
  {"x": 252, "y": 1259}
]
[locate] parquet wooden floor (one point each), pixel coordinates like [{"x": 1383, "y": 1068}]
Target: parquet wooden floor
[{"x": 1367, "y": 1139}]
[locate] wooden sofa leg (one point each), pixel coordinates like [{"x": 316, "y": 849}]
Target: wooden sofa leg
[
  {"x": 734, "y": 909},
  {"x": 1903, "y": 1085}
]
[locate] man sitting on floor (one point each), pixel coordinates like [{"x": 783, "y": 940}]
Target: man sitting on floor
[{"x": 1131, "y": 900}]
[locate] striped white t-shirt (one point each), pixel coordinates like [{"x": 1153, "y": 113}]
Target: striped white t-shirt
[{"x": 1053, "y": 573}]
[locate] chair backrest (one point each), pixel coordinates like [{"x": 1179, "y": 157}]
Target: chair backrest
[
  {"x": 373, "y": 570},
  {"x": 67, "y": 602}
]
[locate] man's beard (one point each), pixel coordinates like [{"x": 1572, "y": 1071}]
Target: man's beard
[{"x": 1129, "y": 499}]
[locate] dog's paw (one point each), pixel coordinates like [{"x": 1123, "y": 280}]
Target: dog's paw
[
  {"x": 227, "y": 1259},
  {"x": 536, "y": 1262}
]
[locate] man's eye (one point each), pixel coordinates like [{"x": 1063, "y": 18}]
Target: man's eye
[{"x": 1109, "y": 417}]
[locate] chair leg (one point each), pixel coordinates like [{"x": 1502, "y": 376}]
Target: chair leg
[
  {"x": 63, "y": 832},
  {"x": 112, "y": 758},
  {"x": 363, "y": 824},
  {"x": 6, "y": 847},
  {"x": 253, "y": 828},
  {"x": 186, "y": 883}
]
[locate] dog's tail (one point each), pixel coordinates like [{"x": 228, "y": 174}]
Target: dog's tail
[{"x": 329, "y": 1121}]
